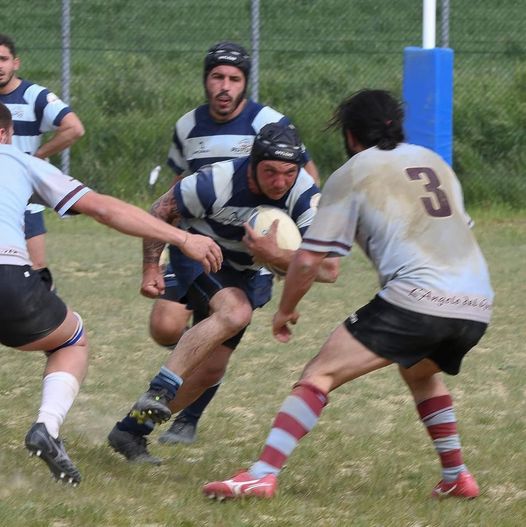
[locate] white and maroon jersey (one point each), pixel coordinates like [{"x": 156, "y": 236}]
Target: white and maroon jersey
[
  {"x": 404, "y": 207},
  {"x": 23, "y": 177}
]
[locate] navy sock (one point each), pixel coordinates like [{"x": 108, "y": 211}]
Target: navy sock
[
  {"x": 129, "y": 424},
  {"x": 194, "y": 411},
  {"x": 166, "y": 380}
]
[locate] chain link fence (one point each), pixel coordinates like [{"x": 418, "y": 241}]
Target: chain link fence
[{"x": 136, "y": 66}]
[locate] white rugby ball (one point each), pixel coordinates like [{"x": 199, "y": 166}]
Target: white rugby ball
[{"x": 288, "y": 235}]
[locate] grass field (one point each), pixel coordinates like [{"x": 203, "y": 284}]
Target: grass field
[{"x": 369, "y": 461}]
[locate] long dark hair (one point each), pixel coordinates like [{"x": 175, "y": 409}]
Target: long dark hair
[{"x": 374, "y": 117}]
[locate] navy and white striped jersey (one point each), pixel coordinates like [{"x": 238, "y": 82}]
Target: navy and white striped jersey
[
  {"x": 216, "y": 201},
  {"x": 35, "y": 110},
  {"x": 198, "y": 140}
]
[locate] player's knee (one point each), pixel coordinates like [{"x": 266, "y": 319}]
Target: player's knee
[
  {"x": 166, "y": 329},
  {"x": 166, "y": 334},
  {"x": 234, "y": 320}
]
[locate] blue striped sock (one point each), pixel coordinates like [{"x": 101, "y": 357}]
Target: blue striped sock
[{"x": 168, "y": 380}]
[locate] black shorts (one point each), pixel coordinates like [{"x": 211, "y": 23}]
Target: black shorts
[
  {"x": 28, "y": 310},
  {"x": 34, "y": 224},
  {"x": 407, "y": 337}
]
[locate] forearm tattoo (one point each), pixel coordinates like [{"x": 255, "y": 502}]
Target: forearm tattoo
[{"x": 165, "y": 209}]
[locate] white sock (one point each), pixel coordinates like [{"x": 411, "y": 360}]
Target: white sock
[{"x": 59, "y": 390}]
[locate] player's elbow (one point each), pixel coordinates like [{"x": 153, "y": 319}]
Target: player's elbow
[
  {"x": 329, "y": 271},
  {"x": 72, "y": 127},
  {"x": 332, "y": 269},
  {"x": 78, "y": 131},
  {"x": 308, "y": 265}
]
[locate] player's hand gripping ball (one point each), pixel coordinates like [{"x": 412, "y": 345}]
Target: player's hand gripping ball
[{"x": 288, "y": 235}]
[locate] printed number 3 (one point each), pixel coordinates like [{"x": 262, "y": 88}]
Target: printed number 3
[{"x": 438, "y": 207}]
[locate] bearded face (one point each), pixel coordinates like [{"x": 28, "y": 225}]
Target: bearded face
[{"x": 225, "y": 89}]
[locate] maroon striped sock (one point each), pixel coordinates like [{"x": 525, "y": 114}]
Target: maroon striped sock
[
  {"x": 297, "y": 416},
  {"x": 438, "y": 417}
]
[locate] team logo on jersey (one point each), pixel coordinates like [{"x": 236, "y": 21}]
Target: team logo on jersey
[
  {"x": 230, "y": 215},
  {"x": 242, "y": 148},
  {"x": 17, "y": 113},
  {"x": 10, "y": 252},
  {"x": 51, "y": 98},
  {"x": 201, "y": 149}
]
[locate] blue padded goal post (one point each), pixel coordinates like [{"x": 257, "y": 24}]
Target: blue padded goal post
[{"x": 428, "y": 98}]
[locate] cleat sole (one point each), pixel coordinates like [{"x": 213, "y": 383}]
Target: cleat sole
[{"x": 54, "y": 454}]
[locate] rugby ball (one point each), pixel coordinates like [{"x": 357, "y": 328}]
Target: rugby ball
[{"x": 288, "y": 235}]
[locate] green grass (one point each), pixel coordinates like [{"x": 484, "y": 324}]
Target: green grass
[
  {"x": 137, "y": 67},
  {"x": 369, "y": 461}
]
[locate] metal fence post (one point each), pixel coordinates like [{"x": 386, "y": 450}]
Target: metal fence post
[
  {"x": 254, "y": 75},
  {"x": 66, "y": 71},
  {"x": 444, "y": 24}
]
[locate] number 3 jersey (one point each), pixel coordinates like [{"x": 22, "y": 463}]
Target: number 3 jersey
[{"x": 404, "y": 207}]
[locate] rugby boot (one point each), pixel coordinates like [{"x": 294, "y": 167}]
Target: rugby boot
[
  {"x": 152, "y": 405},
  {"x": 132, "y": 446},
  {"x": 464, "y": 486},
  {"x": 182, "y": 430},
  {"x": 242, "y": 485},
  {"x": 39, "y": 442}
]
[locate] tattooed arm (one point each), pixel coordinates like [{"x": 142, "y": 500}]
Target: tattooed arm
[
  {"x": 165, "y": 209},
  {"x": 195, "y": 246}
]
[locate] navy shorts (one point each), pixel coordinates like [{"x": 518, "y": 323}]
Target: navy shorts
[
  {"x": 34, "y": 224},
  {"x": 28, "y": 309},
  {"x": 406, "y": 337},
  {"x": 170, "y": 285},
  {"x": 257, "y": 287}
]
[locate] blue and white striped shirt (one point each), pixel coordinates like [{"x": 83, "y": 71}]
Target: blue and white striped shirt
[
  {"x": 216, "y": 201},
  {"x": 35, "y": 110},
  {"x": 198, "y": 140}
]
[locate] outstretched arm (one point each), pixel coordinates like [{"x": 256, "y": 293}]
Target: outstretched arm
[{"x": 134, "y": 221}]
